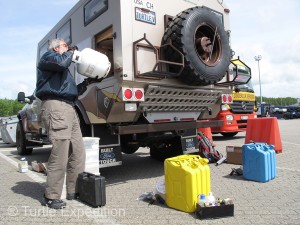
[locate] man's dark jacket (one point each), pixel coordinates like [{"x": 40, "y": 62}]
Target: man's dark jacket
[{"x": 54, "y": 80}]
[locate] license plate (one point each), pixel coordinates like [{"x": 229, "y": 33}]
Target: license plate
[
  {"x": 145, "y": 15},
  {"x": 244, "y": 117}
]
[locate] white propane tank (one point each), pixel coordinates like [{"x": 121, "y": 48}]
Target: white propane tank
[{"x": 91, "y": 63}]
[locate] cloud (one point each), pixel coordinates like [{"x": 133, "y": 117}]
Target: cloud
[{"x": 269, "y": 29}]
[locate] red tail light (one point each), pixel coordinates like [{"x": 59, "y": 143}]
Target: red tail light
[
  {"x": 138, "y": 94},
  {"x": 128, "y": 93},
  {"x": 226, "y": 98},
  {"x": 133, "y": 94}
]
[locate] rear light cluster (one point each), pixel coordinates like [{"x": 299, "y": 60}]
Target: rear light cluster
[
  {"x": 226, "y": 98},
  {"x": 132, "y": 94}
]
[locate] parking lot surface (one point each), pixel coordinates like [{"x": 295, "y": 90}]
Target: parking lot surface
[{"x": 273, "y": 202}]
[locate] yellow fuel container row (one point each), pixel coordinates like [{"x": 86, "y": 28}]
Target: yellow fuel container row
[{"x": 186, "y": 177}]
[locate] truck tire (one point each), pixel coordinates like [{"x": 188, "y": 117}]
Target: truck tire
[
  {"x": 162, "y": 151},
  {"x": 21, "y": 141},
  {"x": 200, "y": 36},
  {"x": 128, "y": 145},
  {"x": 286, "y": 116}
]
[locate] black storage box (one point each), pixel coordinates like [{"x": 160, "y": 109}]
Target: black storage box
[
  {"x": 91, "y": 189},
  {"x": 214, "y": 211}
]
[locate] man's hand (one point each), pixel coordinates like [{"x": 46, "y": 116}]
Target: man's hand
[
  {"x": 72, "y": 48},
  {"x": 90, "y": 80},
  {"x": 81, "y": 88}
]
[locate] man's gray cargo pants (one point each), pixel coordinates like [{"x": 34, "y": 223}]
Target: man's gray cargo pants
[{"x": 67, "y": 154}]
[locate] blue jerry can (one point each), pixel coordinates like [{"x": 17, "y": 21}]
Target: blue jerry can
[{"x": 259, "y": 162}]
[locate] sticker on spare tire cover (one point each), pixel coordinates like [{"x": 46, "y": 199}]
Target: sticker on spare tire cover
[{"x": 145, "y": 15}]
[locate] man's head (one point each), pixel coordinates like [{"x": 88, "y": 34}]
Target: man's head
[{"x": 58, "y": 45}]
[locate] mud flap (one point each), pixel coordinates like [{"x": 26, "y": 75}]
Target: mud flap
[
  {"x": 109, "y": 147},
  {"x": 189, "y": 142},
  {"x": 110, "y": 156}
]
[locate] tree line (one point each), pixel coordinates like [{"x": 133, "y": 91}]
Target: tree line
[
  {"x": 9, "y": 107},
  {"x": 278, "y": 101}
]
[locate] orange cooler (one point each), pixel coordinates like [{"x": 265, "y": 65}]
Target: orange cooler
[{"x": 186, "y": 177}]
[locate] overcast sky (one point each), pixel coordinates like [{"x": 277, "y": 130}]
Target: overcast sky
[{"x": 268, "y": 28}]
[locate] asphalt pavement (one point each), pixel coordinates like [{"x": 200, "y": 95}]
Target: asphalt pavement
[{"x": 273, "y": 202}]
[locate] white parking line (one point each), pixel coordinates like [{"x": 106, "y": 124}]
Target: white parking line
[
  {"x": 31, "y": 174},
  {"x": 5, "y": 150},
  {"x": 97, "y": 214}
]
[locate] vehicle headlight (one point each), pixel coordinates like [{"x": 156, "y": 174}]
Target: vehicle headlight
[
  {"x": 224, "y": 107},
  {"x": 229, "y": 117}
]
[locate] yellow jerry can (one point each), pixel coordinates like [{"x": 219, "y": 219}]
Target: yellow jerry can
[{"x": 186, "y": 177}]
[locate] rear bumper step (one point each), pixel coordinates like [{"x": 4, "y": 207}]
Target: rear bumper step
[{"x": 157, "y": 127}]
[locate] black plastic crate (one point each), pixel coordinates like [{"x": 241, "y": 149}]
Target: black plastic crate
[{"x": 214, "y": 211}]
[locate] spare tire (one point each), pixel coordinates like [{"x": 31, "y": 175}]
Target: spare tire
[{"x": 200, "y": 36}]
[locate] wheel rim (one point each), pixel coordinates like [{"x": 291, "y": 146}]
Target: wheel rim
[{"x": 208, "y": 44}]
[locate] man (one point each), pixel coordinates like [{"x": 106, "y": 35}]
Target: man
[{"x": 57, "y": 90}]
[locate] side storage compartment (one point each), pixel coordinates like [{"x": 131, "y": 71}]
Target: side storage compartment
[
  {"x": 91, "y": 189},
  {"x": 259, "y": 162},
  {"x": 186, "y": 177}
]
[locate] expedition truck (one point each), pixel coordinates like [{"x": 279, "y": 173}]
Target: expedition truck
[
  {"x": 167, "y": 62},
  {"x": 243, "y": 107}
]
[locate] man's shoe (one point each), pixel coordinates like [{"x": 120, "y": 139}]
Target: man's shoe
[
  {"x": 72, "y": 196},
  {"x": 53, "y": 203}
]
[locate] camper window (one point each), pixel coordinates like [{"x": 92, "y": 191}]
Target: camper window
[
  {"x": 65, "y": 32},
  {"x": 93, "y": 9}
]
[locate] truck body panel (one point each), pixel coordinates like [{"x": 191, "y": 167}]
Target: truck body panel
[{"x": 142, "y": 102}]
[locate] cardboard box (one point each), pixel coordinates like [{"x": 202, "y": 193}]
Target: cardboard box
[
  {"x": 39, "y": 167},
  {"x": 44, "y": 167},
  {"x": 36, "y": 166},
  {"x": 234, "y": 155}
]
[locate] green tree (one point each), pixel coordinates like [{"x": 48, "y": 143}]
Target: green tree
[
  {"x": 278, "y": 101},
  {"x": 9, "y": 107}
]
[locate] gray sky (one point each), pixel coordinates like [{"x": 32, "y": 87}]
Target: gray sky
[{"x": 268, "y": 28}]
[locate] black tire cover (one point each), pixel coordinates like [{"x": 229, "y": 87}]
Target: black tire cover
[{"x": 186, "y": 32}]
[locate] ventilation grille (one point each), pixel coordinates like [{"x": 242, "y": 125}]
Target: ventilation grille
[{"x": 165, "y": 99}]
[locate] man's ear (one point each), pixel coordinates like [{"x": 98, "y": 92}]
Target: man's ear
[{"x": 55, "y": 49}]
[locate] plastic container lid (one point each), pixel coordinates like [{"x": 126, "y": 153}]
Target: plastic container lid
[
  {"x": 202, "y": 197},
  {"x": 202, "y": 200},
  {"x": 211, "y": 198}
]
